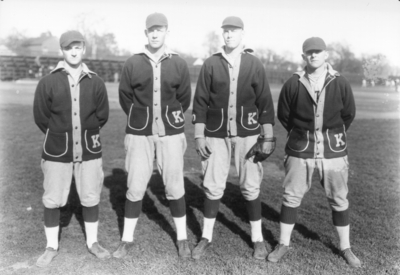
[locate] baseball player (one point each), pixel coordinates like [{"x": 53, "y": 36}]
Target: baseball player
[
  {"x": 233, "y": 113},
  {"x": 316, "y": 107},
  {"x": 154, "y": 92},
  {"x": 70, "y": 107}
]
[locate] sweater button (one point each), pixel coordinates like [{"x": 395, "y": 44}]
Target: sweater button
[
  {"x": 72, "y": 85},
  {"x": 155, "y": 104},
  {"x": 317, "y": 115},
  {"x": 156, "y": 118},
  {"x": 155, "y": 91},
  {"x": 74, "y": 113},
  {"x": 318, "y": 142},
  {"x": 317, "y": 129},
  {"x": 231, "y": 106},
  {"x": 230, "y": 118},
  {"x": 156, "y": 78}
]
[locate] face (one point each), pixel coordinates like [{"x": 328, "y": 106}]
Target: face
[
  {"x": 233, "y": 36},
  {"x": 156, "y": 36},
  {"x": 315, "y": 58},
  {"x": 73, "y": 53}
]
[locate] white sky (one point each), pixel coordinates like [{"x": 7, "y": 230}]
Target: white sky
[{"x": 367, "y": 26}]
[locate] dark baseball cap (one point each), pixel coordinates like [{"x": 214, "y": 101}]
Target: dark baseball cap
[
  {"x": 233, "y": 21},
  {"x": 69, "y": 37},
  {"x": 156, "y": 19},
  {"x": 314, "y": 43}
]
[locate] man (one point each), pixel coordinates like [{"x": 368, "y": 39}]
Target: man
[
  {"x": 70, "y": 107},
  {"x": 232, "y": 105},
  {"x": 155, "y": 92},
  {"x": 316, "y": 107}
]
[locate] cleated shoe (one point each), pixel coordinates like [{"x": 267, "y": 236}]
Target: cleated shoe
[
  {"x": 260, "y": 252},
  {"x": 278, "y": 253},
  {"x": 350, "y": 258},
  {"x": 46, "y": 257},
  {"x": 201, "y": 247},
  {"x": 122, "y": 249},
  {"x": 183, "y": 248},
  {"x": 99, "y": 251}
]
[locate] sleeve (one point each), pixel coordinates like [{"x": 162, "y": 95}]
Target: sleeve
[
  {"x": 348, "y": 112},
  {"x": 125, "y": 90},
  {"x": 284, "y": 102},
  {"x": 202, "y": 96},
  {"x": 102, "y": 110},
  {"x": 42, "y": 107},
  {"x": 264, "y": 100},
  {"x": 184, "y": 91}
]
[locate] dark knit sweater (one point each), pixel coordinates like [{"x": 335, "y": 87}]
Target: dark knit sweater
[
  {"x": 297, "y": 115},
  {"x": 136, "y": 93},
  {"x": 53, "y": 115},
  {"x": 211, "y": 100}
]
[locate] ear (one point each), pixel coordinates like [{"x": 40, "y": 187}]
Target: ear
[
  {"x": 84, "y": 48},
  {"x": 145, "y": 32},
  {"x": 303, "y": 56},
  {"x": 326, "y": 55}
]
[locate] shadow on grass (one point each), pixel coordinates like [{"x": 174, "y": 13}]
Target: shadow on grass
[{"x": 117, "y": 183}]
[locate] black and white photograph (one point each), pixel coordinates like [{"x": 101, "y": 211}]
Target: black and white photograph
[{"x": 200, "y": 137}]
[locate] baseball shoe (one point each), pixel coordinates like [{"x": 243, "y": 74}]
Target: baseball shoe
[
  {"x": 279, "y": 251},
  {"x": 350, "y": 258},
  {"x": 122, "y": 249},
  {"x": 99, "y": 251},
  {"x": 183, "y": 248},
  {"x": 260, "y": 252},
  {"x": 201, "y": 247},
  {"x": 46, "y": 258}
]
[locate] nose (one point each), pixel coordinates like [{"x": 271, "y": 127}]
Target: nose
[{"x": 73, "y": 52}]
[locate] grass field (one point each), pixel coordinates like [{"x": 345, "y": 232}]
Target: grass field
[{"x": 374, "y": 196}]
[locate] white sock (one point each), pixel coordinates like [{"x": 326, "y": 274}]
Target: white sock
[
  {"x": 129, "y": 228},
  {"x": 52, "y": 236},
  {"x": 344, "y": 236},
  {"x": 180, "y": 224},
  {"x": 91, "y": 233},
  {"x": 256, "y": 234},
  {"x": 286, "y": 233},
  {"x": 208, "y": 228}
]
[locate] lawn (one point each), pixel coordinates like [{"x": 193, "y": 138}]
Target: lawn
[{"x": 374, "y": 197}]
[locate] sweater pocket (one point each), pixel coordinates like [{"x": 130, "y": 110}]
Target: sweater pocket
[
  {"x": 175, "y": 116},
  {"x": 55, "y": 144},
  {"x": 249, "y": 117},
  {"x": 92, "y": 141},
  {"x": 337, "y": 139},
  {"x": 138, "y": 118},
  {"x": 298, "y": 140},
  {"x": 215, "y": 119}
]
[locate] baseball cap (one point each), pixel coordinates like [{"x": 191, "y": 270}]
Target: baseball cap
[
  {"x": 314, "y": 43},
  {"x": 156, "y": 19},
  {"x": 233, "y": 21},
  {"x": 69, "y": 37}
]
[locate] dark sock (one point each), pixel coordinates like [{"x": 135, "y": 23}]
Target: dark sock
[
  {"x": 178, "y": 207},
  {"x": 254, "y": 209},
  {"x": 211, "y": 208},
  {"x": 90, "y": 214},
  {"x": 288, "y": 214},
  {"x": 341, "y": 218},
  {"x": 133, "y": 209},
  {"x": 51, "y": 217}
]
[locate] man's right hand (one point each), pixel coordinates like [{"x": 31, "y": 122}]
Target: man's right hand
[{"x": 203, "y": 148}]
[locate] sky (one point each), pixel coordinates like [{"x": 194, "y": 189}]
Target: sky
[{"x": 366, "y": 26}]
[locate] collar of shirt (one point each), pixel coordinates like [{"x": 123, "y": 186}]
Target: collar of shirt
[
  {"x": 85, "y": 69},
  {"x": 243, "y": 51},
  {"x": 167, "y": 53}
]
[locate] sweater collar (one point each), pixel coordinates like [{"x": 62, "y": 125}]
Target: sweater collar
[
  {"x": 167, "y": 52},
  {"x": 330, "y": 71},
  {"x": 85, "y": 69},
  {"x": 244, "y": 50}
]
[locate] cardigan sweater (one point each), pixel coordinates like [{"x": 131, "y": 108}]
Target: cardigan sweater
[
  {"x": 254, "y": 105},
  {"x": 297, "y": 111},
  {"x": 52, "y": 110},
  {"x": 136, "y": 93}
]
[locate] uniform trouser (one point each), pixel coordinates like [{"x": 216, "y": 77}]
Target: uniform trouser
[
  {"x": 140, "y": 152},
  {"x": 216, "y": 167},
  {"x": 332, "y": 172},
  {"x": 88, "y": 176}
]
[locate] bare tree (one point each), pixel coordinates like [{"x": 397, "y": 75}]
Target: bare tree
[{"x": 212, "y": 43}]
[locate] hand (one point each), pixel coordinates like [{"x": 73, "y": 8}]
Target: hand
[
  {"x": 203, "y": 148},
  {"x": 263, "y": 148}
]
